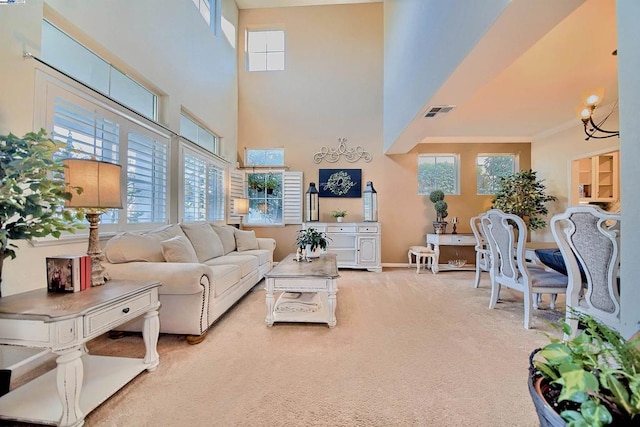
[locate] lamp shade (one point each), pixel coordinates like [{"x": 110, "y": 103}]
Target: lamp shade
[
  {"x": 312, "y": 203},
  {"x": 100, "y": 183},
  {"x": 240, "y": 206},
  {"x": 370, "y": 203}
]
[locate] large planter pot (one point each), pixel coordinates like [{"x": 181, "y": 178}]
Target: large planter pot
[
  {"x": 440, "y": 227},
  {"x": 546, "y": 414}
]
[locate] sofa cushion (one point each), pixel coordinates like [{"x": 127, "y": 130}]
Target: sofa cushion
[
  {"x": 247, "y": 263},
  {"x": 205, "y": 241},
  {"x": 224, "y": 277},
  {"x": 227, "y": 235},
  {"x": 131, "y": 247},
  {"x": 245, "y": 240},
  {"x": 263, "y": 255},
  {"x": 178, "y": 249}
]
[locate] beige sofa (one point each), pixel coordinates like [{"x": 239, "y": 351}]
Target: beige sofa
[{"x": 204, "y": 269}]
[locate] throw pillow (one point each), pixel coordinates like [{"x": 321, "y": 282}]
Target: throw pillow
[
  {"x": 204, "y": 240},
  {"x": 227, "y": 236},
  {"x": 178, "y": 249},
  {"x": 246, "y": 240},
  {"x": 130, "y": 247}
]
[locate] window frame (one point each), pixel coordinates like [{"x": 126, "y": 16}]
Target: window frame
[
  {"x": 516, "y": 167},
  {"x": 187, "y": 148},
  {"x": 49, "y": 88},
  {"x": 200, "y": 129},
  {"x": 456, "y": 177},
  {"x": 267, "y": 51}
]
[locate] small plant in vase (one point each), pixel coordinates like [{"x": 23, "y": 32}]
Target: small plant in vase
[
  {"x": 440, "y": 206},
  {"x": 310, "y": 240},
  {"x": 339, "y": 215}
]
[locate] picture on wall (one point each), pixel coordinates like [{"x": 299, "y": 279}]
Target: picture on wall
[{"x": 340, "y": 183}]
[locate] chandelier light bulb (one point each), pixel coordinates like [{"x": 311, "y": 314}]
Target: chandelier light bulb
[
  {"x": 583, "y": 112},
  {"x": 593, "y": 97}
]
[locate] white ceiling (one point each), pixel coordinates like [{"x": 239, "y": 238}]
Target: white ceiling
[
  {"x": 532, "y": 90},
  {"x": 254, "y": 4},
  {"x": 534, "y": 93}
]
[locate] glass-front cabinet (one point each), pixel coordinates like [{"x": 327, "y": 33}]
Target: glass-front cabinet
[{"x": 596, "y": 179}]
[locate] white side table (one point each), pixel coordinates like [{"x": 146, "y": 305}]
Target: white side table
[
  {"x": 64, "y": 323},
  {"x": 437, "y": 240}
]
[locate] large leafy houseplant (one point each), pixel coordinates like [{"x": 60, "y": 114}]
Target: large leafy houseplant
[
  {"x": 592, "y": 379},
  {"x": 523, "y": 194},
  {"x": 32, "y": 191}
]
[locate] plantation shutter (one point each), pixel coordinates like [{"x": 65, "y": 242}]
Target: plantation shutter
[
  {"x": 194, "y": 188},
  {"x": 216, "y": 193},
  {"x": 292, "y": 198},
  {"x": 146, "y": 179},
  {"x": 236, "y": 190}
]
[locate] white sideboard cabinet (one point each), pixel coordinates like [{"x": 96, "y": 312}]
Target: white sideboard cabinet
[{"x": 356, "y": 244}]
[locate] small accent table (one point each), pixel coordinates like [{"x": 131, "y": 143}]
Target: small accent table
[
  {"x": 437, "y": 240},
  {"x": 64, "y": 323},
  {"x": 318, "y": 276}
]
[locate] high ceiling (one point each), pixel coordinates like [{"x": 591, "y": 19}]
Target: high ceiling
[
  {"x": 536, "y": 87},
  {"x": 535, "y": 92}
]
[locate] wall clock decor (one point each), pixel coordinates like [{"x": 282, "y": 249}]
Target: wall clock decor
[{"x": 340, "y": 183}]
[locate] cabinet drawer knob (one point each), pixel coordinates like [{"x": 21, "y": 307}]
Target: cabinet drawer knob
[{"x": 125, "y": 310}]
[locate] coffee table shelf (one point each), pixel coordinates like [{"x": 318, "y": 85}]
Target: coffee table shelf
[{"x": 319, "y": 276}]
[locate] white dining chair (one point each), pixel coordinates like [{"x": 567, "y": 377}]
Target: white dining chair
[
  {"x": 589, "y": 237},
  {"x": 483, "y": 259},
  {"x": 507, "y": 235}
]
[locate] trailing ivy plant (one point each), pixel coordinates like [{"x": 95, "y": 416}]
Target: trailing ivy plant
[
  {"x": 32, "y": 191},
  {"x": 598, "y": 370},
  {"x": 522, "y": 194}
]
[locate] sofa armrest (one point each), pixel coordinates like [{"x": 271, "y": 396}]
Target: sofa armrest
[
  {"x": 266, "y": 243},
  {"x": 177, "y": 278}
]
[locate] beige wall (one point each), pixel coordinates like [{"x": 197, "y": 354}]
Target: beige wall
[
  {"x": 331, "y": 88},
  {"x": 168, "y": 47}
]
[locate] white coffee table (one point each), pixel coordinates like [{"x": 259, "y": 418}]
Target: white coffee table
[{"x": 318, "y": 276}]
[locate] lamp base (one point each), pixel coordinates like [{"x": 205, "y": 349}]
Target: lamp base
[{"x": 98, "y": 273}]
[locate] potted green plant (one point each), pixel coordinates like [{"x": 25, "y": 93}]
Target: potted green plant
[
  {"x": 310, "y": 239},
  {"x": 255, "y": 182},
  {"x": 590, "y": 380},
  {"x": 440, "y": 206},
  {"x": 524, "y": 195},
  {"x": 32, "y": 192},
  {"x": 271, "y": 184},
  {"x": 339, "y": 215}
]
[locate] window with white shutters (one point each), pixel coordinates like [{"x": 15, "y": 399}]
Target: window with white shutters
[
  {"x": 203, "y": 186},
  {"x": 91, "y": 127}
]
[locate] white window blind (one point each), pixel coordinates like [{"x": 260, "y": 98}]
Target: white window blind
[
  {"x": 93, "y": 127},
  {"x": 236, "y": 190},
  {"x": 292, "y": 195},
  {"x": 146, "y": 179},
  {"x": 203, "y": 187}
]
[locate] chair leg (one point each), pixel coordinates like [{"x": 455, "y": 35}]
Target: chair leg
[
  {"x": 476, "y": 282},
  {"x": 572, "y": 321},
  {"x": 495, "y": 294},
  {"x": 409, "y": 257},
  {"x": 536, "y": 299},
  {"x": 527, "y": 308},
  {"x": 552, "y": 303},
  {"x": 419, "y": 261}
]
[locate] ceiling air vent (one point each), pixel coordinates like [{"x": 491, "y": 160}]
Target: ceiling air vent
[{"x": 438, "y": 111}]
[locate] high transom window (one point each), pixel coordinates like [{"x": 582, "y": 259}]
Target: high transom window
[{"x": 265, "y": 50}]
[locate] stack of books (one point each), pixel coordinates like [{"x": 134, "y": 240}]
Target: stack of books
[{"x": 68, "y": 273}]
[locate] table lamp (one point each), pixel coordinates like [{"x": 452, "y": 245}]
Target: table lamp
[
  {"x": 241, "y": 208},
  {"x": 100, "y": 183}
]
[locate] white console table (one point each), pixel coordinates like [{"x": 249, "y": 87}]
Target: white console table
[
  {"x": 355, "y": 244},
  {"x": 437, "y": 240},
  {"x": 64, "y": 323}
]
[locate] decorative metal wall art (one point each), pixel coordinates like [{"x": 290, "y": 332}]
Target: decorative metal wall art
[
  {"x": 351, "y": 155},
  {"x": 340, "y": 182}
]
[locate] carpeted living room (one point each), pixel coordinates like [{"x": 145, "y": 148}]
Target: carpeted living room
[
  {"x": 231, "y": 126},
  {"x": 408, "y": 349}
]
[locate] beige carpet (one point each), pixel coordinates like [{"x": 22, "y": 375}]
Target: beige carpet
[{"x": 408, "y": 350}]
